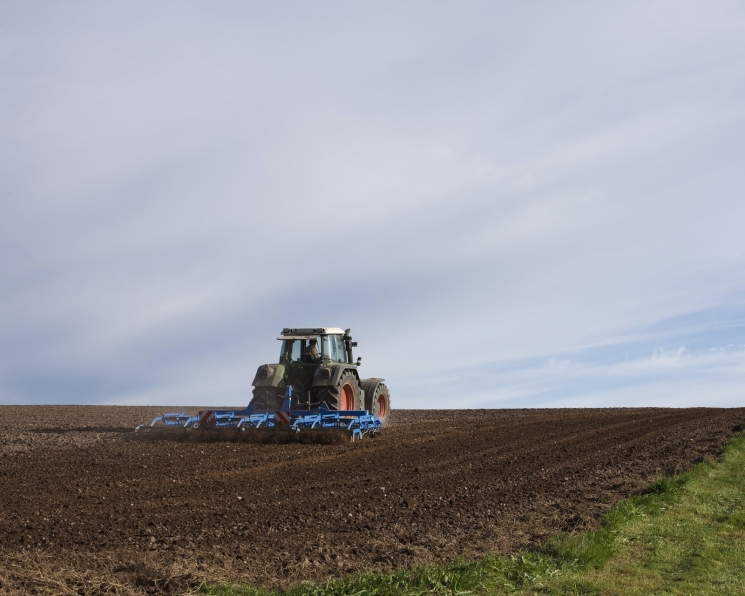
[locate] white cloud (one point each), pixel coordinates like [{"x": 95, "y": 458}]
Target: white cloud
[
  {"x": 466, "y": 185},
  {"x": 665, "y": 377},
  {"x": 724, "y": 359}
]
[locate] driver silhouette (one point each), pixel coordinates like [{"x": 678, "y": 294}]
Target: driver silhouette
[{"x": 312, "y": 350}]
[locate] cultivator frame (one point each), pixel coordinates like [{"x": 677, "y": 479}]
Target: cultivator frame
[{"x": 356, "y": 423}]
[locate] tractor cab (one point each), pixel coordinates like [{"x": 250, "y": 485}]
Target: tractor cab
[
  {"x": 310, "y": 356},
  {"x": 329, "y": 347}
]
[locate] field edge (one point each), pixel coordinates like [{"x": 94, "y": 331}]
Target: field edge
[{"x": 621, "y": 555}]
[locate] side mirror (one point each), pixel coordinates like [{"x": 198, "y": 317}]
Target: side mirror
[{"x": 359, "y": 360}]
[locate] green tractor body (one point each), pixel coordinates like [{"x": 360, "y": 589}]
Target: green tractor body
[{"x": 318, "y": 364}]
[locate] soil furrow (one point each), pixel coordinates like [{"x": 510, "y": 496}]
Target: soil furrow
[{"x": 433, "y": 486}]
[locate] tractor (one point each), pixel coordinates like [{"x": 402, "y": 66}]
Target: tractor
[{"x": 316, "y": 369}]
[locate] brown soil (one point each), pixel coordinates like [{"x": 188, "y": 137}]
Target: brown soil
[{"x": 85, "y": 507}]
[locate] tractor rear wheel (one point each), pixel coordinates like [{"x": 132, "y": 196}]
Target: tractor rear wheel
[
  {"x": 377, "y": 400},
  {"x": 266, "y": 398},
  {"x": 345, "y": 395}
]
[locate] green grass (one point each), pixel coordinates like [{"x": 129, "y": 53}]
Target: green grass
[{"x": 685, "y": 535}]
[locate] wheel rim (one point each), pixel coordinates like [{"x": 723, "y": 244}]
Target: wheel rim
[
  {"x": 382, "y": 406},
  {"x": 347, "y": 398}
]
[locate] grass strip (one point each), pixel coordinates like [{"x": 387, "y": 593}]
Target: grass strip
[{"x": 684, "y": 535}]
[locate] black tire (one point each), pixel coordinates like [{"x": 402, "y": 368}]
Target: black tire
[
  {"x": 266, "y": 398},
  {"x": 345, "y": 395},
  {"x": 377, "y": 399}
]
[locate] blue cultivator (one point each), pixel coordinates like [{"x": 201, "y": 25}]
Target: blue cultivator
[
  {"x": 353, "y": 423},
  {"x": 357, "y": 422}
]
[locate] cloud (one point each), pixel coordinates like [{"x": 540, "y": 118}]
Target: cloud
[
  {"x": 665, "y": 377},
  {"x": 508, "y": 206},
  {"x": 724, "y": 359}
]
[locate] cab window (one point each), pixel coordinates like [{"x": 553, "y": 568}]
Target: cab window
[
  {"x": 327, "y": 350},
  {"x": 292, "y": 349},
  {"x": 341, "y": 353},
  {"x": 332, "y": 348}
]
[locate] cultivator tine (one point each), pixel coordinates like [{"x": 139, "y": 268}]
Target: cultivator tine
[
  {"x": 261, "y": 420},
  {"x": 171, "y": 419},
  {"x": 307, "y": 421}
]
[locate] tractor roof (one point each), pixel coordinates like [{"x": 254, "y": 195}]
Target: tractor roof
[{"x": 302, "y": 333}]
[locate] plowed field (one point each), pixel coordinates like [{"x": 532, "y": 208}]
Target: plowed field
[{"x": 89, "y": 505}]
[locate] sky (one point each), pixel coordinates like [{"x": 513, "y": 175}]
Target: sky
[{"x": 511, "y": 204}]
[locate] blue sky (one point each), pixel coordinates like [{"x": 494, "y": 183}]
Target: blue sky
[{"x": 511, "y": 204}]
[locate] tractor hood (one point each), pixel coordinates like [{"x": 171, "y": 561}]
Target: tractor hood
[{"x": 269, "y": 375}]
